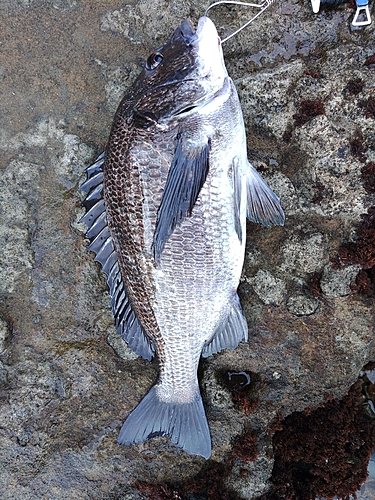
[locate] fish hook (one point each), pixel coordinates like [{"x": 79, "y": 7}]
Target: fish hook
[{"x": 262, "y": 6}]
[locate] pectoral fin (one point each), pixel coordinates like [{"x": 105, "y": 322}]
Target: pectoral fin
[
  {"x": 262, "y": 204},
  {"x": 186, "y": 177},
  {"x": 237, "y": 190}
]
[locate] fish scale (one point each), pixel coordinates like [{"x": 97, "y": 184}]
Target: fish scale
[
  {"x": 126, "y": 225},
  {"x": 170, "y": 235}
]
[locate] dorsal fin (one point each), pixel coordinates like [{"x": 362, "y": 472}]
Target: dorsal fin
[{"x": 101, "y": 244}]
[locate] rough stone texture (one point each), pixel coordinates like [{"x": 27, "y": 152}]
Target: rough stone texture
[{"x": 66, "y": 382}]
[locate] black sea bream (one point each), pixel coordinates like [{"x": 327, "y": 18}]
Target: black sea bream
[{"x": 167, "y": 205}]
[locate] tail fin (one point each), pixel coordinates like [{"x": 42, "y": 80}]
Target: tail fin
[{"x": 184, "y": 423}]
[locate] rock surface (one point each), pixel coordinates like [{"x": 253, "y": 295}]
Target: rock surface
[{"x": 66, "y": 381}]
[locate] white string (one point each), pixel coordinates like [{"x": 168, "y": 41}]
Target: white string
[
  {"x": 262, "y": 6},
  {"x": 234, "y": 2}
]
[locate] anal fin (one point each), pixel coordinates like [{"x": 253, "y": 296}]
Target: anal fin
[{"x": 230, "y": 334}]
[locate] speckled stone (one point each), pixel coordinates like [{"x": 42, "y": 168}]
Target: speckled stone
[{"x": 66, "y": 382}]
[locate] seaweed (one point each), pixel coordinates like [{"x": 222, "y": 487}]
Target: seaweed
[
  {"x": 323, "y": 453},
  {"x": 160, "y": 491},
  {"x": 358, "y": 149},
  {"x": 369, "y": 107},
  {"x": 307, "y": 110},
  {"x": 361, "y": 251},
  {"x": 246, "y": 449},
  {"x": 355, "y": 86},
  {"x": 312, "y": 73},
  {"x": 319, "y": 195},
  {"x": 314, "y": 284},
  {"x": 368, "y": 177},
  {"x": 370, "y": 60}
]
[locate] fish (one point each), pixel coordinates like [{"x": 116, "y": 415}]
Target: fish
[{"x": 166, "y": 205}]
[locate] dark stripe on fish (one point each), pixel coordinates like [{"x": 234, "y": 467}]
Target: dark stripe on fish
[{"x": 101, "y": 244}]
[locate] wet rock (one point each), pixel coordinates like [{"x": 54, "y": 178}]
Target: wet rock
[
  {"x": 269, "y": 289},
  {"x": 4, "y": 335},
  {"x": 67, "y": 381},
  {"x": 338, "y": 282},
  {"x": 301, "y": 305}
]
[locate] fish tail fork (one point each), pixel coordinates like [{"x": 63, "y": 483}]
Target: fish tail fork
[{"x": 184, "y": 423}]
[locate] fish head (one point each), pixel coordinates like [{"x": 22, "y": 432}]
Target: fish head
[{"x": 181, "y": 76}]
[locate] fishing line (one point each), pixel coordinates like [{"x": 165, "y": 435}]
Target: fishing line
[
  {"x": 361, "y": 18},
  {"x": 262, "y": 6}
]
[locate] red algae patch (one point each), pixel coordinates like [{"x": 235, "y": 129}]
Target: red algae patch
[
  {"x": 307, "y": 110},
  {"x": 362, "y": 251},
  {"x": 323, "y": 453}
]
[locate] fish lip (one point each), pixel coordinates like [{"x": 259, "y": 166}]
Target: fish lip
[
  {"x": 201, "y": 24},
  {"x": 205, "y": 44},
  {"x": 188, "y": 31}
]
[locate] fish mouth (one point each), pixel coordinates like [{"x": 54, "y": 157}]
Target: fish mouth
[
  {"x": 205, "y": 24},
  {"x": 188, "y": 31},
  {"x": 210, "y": 63},
  {"x": 207, "y": 81},
  {"x": 191, "y": 34}
]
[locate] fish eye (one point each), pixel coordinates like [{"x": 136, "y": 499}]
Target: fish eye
[{"x": 154, "y": 60}]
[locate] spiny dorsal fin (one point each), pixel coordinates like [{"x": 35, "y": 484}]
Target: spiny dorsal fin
[{"x": 102, "y": 245}]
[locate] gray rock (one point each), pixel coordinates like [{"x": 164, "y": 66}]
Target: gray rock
[
  {"x": 4, "y": 335},
  {"x": 303, "y": 255},
  {"x": 67, "y": 381},
  {"x": 338, "y": 282},
  {"x": 251, "y": 480},
  {"x": 301, "y": 305},
  {"x": 269, "y": 289},
  {"x": 119, "y": 345}
]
